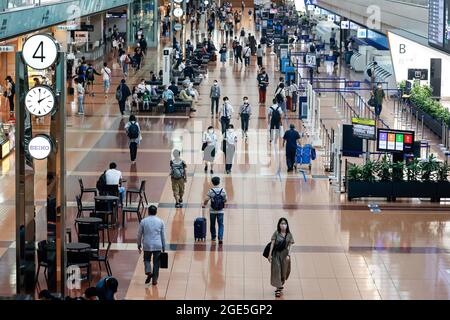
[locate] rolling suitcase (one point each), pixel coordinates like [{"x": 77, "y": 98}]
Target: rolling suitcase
[
  {"x": 170, "y": 107},
  {"x": 200, "y": 228}
]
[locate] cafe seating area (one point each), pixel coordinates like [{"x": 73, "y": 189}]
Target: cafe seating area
[{"x": 93, "y": 226}]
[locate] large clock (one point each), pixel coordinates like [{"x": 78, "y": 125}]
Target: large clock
[
  {"x": 40, "y": 101},
  {"x": 40, "y": 51},
  {"x": 178, "y": 12}
]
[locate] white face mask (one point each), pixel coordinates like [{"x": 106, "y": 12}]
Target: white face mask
[
  {"x": 211, "y": 131},
  {"x": 380, "y": 87},
  {"x": 245, "y": 101},
  {"x": 216, "y": 84}
]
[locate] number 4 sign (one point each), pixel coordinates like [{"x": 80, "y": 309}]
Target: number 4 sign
[{"x": 40, "y": 51}]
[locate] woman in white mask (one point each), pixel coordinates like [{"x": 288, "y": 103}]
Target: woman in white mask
[
  {"x": 209, "y": 148},
  {"x": 279, "y": 257}
]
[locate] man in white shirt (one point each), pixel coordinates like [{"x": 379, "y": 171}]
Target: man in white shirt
[
  {"x": 106, "y": 72},
  {"x": 141, "y": 86},
  {"x": 247, "y": 53},
  {"x": 114, "y": 177},
  {"x": 225, "y": 112}
]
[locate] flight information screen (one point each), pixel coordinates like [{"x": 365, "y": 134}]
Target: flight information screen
[{"x": 439, "y": 24}]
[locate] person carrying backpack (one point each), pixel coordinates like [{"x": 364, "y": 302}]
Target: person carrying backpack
[
  {"x": 90, "y": 76},
  {"x": 178, "y": 177},
  {"x": 218, "y": 198},
  {"x": 134, "y": 137},
  {"x": 274, "y": 116},
  {"x": 280, "y": 96},
  {"x": 122, "y": 94}
]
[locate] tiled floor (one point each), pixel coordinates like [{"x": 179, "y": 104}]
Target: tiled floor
[{"x": 342, "y": 250}]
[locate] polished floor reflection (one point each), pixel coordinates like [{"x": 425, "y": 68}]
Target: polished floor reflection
[{"x": 342, "y": 250}]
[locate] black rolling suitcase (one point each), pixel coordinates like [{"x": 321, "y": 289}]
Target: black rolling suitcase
[{"x": 200, "y": 228}]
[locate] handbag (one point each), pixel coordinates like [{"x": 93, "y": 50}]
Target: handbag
[
  {"x": 164, "y": 260},
  {"x": 267, "y": 250},
  {"x": 371, "y": 101},
  {"x": 204, "y": 145}
]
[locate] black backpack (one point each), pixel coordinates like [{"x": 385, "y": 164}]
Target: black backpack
[
  {"x": 242, "y": 33},
  {"x": 90, "y": 73},
  {"x": 279, "y": 98},
  {"x": 133, "y": 131},
  {"x": 101, "y": 183},
  {"x": 13, "y": 88},
  {"x": 276, "y": 116},
  {"x": 218, "y": 201}
]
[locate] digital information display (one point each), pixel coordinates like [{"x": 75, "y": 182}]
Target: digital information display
[
  {"x": 364, "y": 128},
  {"x": 395, "y": 141},
  {"x": 436, "y": 22},
  {"x": 439, "y": 24}
]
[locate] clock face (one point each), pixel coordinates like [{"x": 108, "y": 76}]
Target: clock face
[
  {"x": 40, "y": 51},
  {"x": 40, "y": 101},
  {"x": 178, "y": 12}
]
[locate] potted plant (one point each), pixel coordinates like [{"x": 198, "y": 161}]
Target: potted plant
[
  {"x": 443, "y": 185},
  {"x": 366, "y": 184}
]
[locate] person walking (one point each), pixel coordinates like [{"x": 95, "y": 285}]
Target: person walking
[
  {"x": 178, "y": 177},
  {"x": 10, "y": 93},
  {"x": 122, "y": 94},
  {"x": 229, "y": 147},
  {"x": 90, "y": 77},
  {"x": 263, "y": 82},
  {"x": 134, "y": 135},
  {"x": 238, "y": 52},
  {"x": 215, "y": 96},
  {"x": 218, "y": 198},
  {"x": 291, "y": 140},
  {"x": 293, "y": 89},
  {"x": 245, "y": 113},
  {"x": 223, "y": 54},
  {"x": 226, "y": 112},
  {"x": 274, "y": 117},
  {"x": 106, "y": 72},
  {"x": 280, "y": 97},
  {"x": 151, "y": 238},
  {"x": 247, "y": 54},
  {"x": 279, "y": 257},
  {"x": 125, "y": 61},
  {"x": 259, "y": 56},
  {"x": 80, "y": 92},
  {"x": 209, "y": 148},
  {"x": 379, "y": 96}
]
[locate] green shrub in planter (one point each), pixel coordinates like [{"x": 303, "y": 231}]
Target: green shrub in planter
[
  {"x": 383, "y": 169},
  {"x": 429, "y": 169},
  {"x": 413, "y": 170},
  {"x": 442, "y": 172},
  {"x": 398, "y": 172},
  {"x": 354, "y": 173},
  {"x": 368, "y": 172}
]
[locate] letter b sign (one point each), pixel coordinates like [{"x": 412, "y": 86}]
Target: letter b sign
[{"x": 402, "y": 48}]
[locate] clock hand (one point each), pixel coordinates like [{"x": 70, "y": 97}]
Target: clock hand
[{"x": 39, "y": 101}]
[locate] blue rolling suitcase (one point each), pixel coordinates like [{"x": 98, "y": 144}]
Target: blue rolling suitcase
[{"x": 200, "y": 229}]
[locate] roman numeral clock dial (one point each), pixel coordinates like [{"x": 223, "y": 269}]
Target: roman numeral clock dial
[{"x": 40, "y": 101}]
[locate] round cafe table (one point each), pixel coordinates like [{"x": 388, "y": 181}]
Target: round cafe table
[
  {"x": 77, "y": 246},
  {"x": 88, "y": 220}
]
